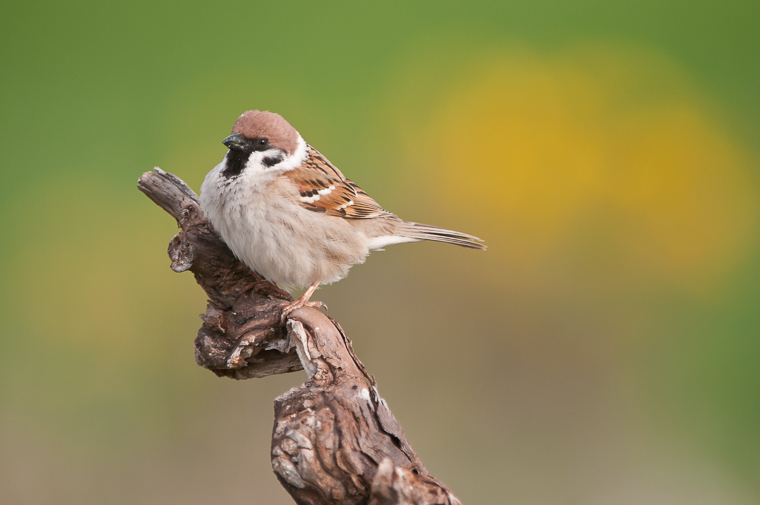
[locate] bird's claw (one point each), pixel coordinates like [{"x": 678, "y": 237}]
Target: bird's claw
[{"x": 297, "y": 305}]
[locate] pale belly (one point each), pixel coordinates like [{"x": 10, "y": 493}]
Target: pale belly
[{"x": 288, "y": 244}]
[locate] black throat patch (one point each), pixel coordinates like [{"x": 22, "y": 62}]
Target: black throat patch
[{"x": 235, "y": 162}]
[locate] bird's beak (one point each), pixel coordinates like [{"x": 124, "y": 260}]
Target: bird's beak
[{"x": 235, "y": 141}]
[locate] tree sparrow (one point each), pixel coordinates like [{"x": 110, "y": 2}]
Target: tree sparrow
[{"x": 290, "y": 215}]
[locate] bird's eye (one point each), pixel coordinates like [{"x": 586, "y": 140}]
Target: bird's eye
[{"x": 263, "y": 142}]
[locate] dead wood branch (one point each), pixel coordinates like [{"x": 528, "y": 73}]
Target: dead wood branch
[{"x": 335, "y": 441}]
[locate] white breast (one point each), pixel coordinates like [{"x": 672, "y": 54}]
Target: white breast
[{"x": 259, "y": 217}]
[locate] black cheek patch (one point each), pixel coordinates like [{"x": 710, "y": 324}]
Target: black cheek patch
[{"x": 271, "y": 161}]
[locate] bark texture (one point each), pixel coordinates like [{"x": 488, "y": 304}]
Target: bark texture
[{"x": 334, "y": 440}]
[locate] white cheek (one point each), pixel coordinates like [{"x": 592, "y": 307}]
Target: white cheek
[{"x": 254, "y": 162}]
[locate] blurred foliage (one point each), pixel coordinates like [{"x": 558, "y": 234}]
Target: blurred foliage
[{"x": 603, "y": 350}]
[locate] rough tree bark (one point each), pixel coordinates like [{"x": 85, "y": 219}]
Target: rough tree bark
[{"x": 334, "y": 441}]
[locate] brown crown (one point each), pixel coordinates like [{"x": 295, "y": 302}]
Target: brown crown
[{"x": 256, "y": 124}]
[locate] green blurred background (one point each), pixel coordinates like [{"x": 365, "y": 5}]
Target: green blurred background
[{"x": 604, "y": 350}]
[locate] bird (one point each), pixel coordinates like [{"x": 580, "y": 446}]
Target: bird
[{"x": 290, "y": 215}]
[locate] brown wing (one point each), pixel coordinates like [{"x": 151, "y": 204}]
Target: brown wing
[{"x": 323, "y": 188}]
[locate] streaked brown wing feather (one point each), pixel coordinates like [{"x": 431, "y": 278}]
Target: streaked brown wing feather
[{"x": 323, "y": 188}]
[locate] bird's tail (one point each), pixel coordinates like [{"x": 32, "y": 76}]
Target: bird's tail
[{"x": 419, "y": 231}]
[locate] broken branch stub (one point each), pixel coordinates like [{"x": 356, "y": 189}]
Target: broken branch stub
[{"x": 334, "y": 441}]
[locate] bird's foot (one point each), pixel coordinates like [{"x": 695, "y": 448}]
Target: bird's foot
[
  {"x": 297, "y": 305},
  {"x": 302, "y": 302}
]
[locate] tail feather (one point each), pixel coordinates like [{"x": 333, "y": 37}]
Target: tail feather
[{"x": 420, "y": 231}]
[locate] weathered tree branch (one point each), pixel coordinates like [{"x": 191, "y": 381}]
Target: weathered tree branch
[{"x": 335, "y": 441}]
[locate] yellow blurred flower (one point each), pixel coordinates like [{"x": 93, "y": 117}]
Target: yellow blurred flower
[{"x": 612, "y": 146}]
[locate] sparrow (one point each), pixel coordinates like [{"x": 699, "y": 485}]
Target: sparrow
[{"x": 290, "y": 215}]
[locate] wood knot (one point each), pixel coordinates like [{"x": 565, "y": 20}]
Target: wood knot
[
  {"x": 191, "y": 213},
  {"x": 181, "y": 252}
]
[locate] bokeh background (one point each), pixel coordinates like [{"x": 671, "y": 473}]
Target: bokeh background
[{"x": 604, "y": 350}]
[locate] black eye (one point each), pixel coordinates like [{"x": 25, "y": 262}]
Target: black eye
[{"x": 263, "y": 142}]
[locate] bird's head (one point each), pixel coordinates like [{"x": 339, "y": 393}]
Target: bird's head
[{"x": 262, "y": 141}]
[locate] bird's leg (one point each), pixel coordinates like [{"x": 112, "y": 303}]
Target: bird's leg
[{"x": 303, "y": 301}]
